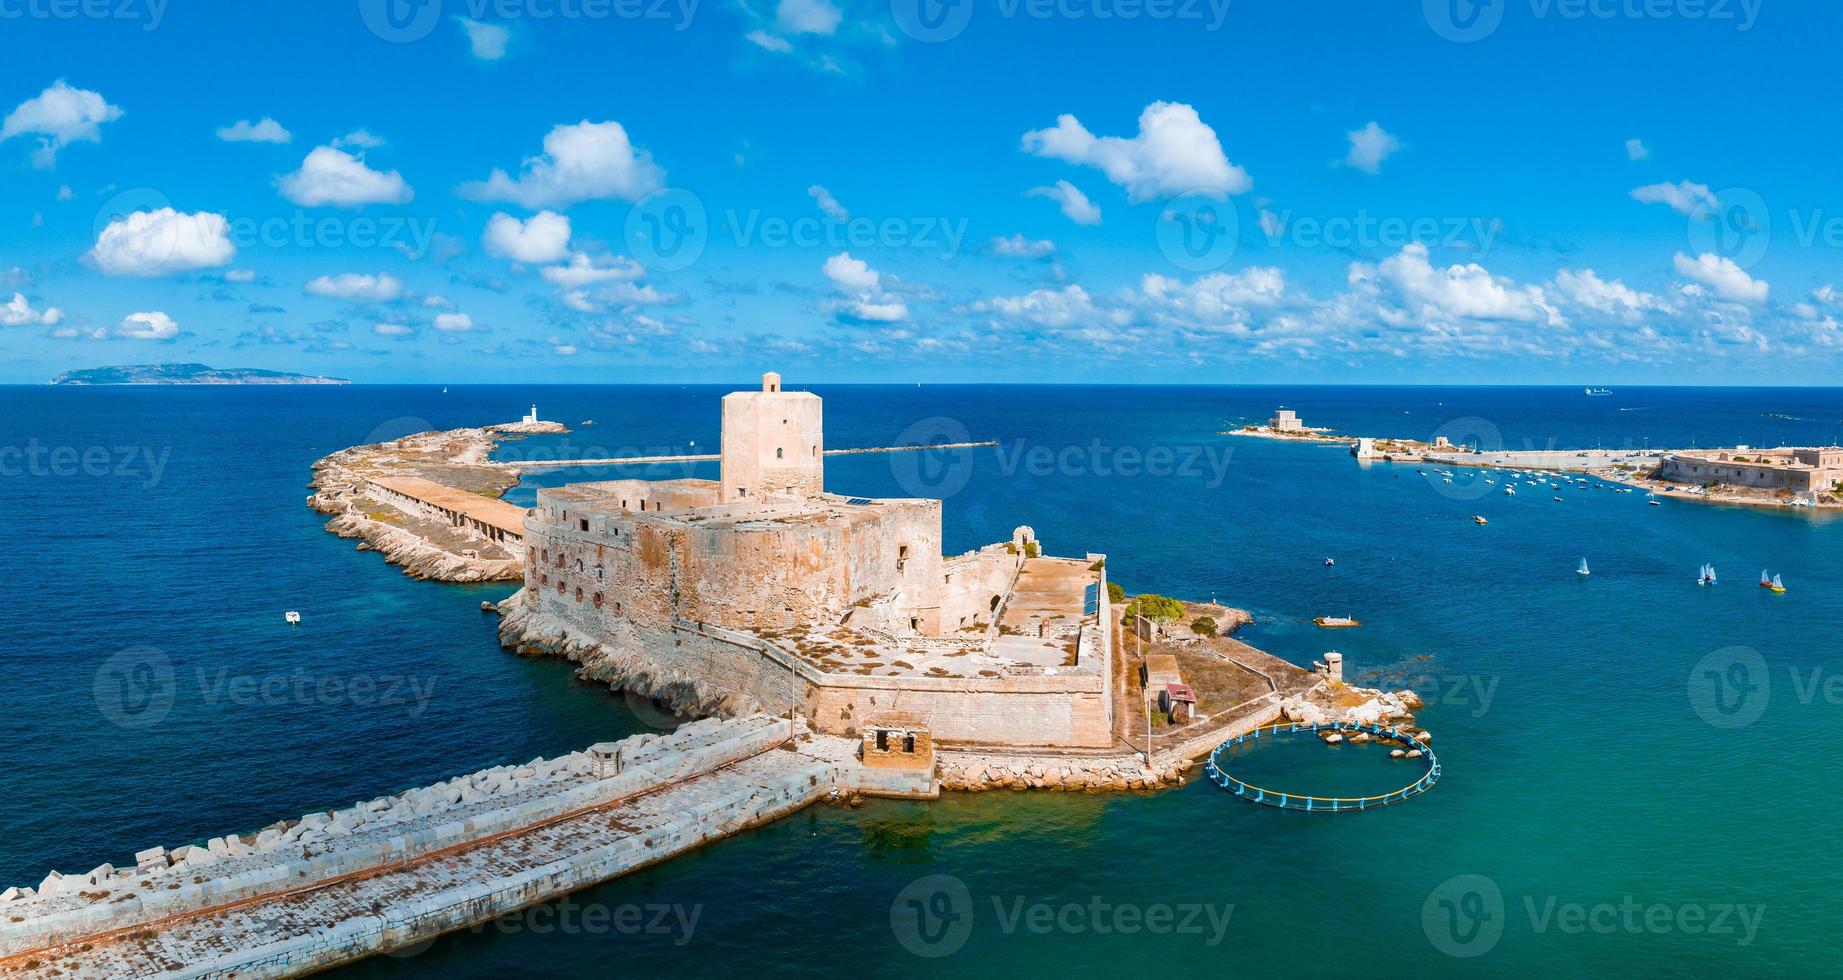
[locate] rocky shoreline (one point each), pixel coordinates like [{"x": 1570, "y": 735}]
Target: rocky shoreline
[{"x": 452, "y": 457}]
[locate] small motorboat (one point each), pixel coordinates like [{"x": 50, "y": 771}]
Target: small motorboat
[
  {"x": 292, "y": 618},
  {"x": 1510, "y": 491},
  {"x": 1479, "y": 519},
  {"x": 1583, "y": 570},
  {"x": 1335, "y": 622},
  {"x": 1558, "y": 500},
  {"x": 1330, "y": 561},
  {"x": 1655, "y": 503}
]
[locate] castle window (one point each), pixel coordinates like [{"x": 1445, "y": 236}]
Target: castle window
[
  {"x": 908, "y": 743},
  {"x": 583, "y": 524},
  {"x": 883, "y": 740},
  {"x": 578, "y": 593},
  {"x": 561, "y": 586},
  {"x": 902, "y": 552},
  {"x": 778, "y": 453},
  {"x": 598, "y": 600}
]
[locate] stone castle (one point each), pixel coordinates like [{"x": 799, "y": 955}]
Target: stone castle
[{"x": 762, "y": 590}]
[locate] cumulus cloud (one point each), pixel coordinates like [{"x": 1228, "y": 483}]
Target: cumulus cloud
[
  {"x": 265, "y": 131},
  {"x": 1585, "y": 289},
  {"x": 156, "y": 243},
  {"x": 455, "y": 323},
  {"x": 859, "y": 293},
  {"x": 1019, "y": 247},
  {"x": 828, "y": 203},
  {"x": 1722, "y": 277},
  {"x": 584, "y": 162},
  {"x": 59, "y": 116},
  {"x": 19, "y": 313},
  {"x": 544, "y": 237},
  {"x": 332, "y": 177},
  {"x": 1173, "y": 153},
  {"x": 1683, "y": 197},
  {"x": 1635, "y": 149},
  {"x": 1369, "y": 146},
  {"x": 381, "y": 288},
  {"x": 1060, "y": 308},
  {"x": 397, "y": 330},
  {"x": 1459, "y": 290},
  {"x": 584, "y": 270},
  {"x": 1075, "y": 205},
  {"x": 240, "y": 275},
  {"x": 486, "y": 41},
  {"x": 147, "y": 326}
]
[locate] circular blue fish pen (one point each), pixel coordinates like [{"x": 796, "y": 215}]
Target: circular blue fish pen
[{"x": 1322, "y": 804}]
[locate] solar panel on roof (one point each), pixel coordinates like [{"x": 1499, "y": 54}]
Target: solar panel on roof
[{"x": 858, "y": 501}]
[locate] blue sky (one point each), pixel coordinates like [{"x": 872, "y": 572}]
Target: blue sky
[{"x": 1525, "y": 191}]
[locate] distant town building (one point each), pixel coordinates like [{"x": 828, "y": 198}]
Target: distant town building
[{"x": 1799, "y": 470}]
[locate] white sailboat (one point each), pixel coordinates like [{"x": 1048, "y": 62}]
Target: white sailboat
[
  {"x": 1707, "y": 576},
  {"x": 1583, "y": 570}
]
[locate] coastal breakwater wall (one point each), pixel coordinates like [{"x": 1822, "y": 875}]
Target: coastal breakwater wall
[
  {"x": 304, "y": 894},
  {"x": 696, "y": 670}
]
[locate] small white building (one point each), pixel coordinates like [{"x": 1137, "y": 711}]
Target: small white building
[{"x": 1285, "y": 420}]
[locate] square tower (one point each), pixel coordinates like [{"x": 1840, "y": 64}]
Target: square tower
[{"x": 773, "y": 442}]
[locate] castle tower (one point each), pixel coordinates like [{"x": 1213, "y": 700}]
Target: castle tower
[{"x": 773, "y": 442}]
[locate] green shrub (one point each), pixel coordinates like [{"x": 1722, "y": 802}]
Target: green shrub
[
  {"x": 1031, "y": 550},
  {"x": 1157, "y": 608},
  {"x": 1115, "y": 593},
  {"x": 1203, "y": 626}
]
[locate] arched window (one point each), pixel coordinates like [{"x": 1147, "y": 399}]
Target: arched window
[{"x": 778, "y": 453}]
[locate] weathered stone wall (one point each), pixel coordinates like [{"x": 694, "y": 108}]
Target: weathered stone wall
[
  {"x": 773, "y": 442},
  {"x": 657, "y": 570},
  {"x": 975, "y": 585}
]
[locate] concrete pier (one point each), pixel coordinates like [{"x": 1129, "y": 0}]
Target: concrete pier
[{"x": 298, "y": 908}]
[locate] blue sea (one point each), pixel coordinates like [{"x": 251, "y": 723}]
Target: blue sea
[{"x": 1640, "y": 774}]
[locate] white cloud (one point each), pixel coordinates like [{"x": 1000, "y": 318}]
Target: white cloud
[
  {"x": 583, "y": 270},
  {"x": 434, "y": 302},
  {"x": 331, "y": 176},
  {"x": 563, "y": 350},
  {"x": 860, "y": 288},
  {"x": 769, "y": 42},
  {"x": 361, "y": 138},
  {"x": 240, "y": 275},
  {"x": 850, "y": 273},
  {"x": 59, "y": 116},
  {"x": 828, "y": 203},
  {"x": 1369, "y": 146},
  {"x": 392, "y": 329},
  {"x": 265, "y": 131},
  {"x": 807, "y": 17},
  {"x": 381, "y": 288},
  {"x": 1635, "y": 149},
  {"x": 1720, "y": 274},
  {"x": 1059, "y": 308},
  {"x": 584, "y": 162},
  {"x": 1684, "y": 197},
  {"x": 147, "y": 326},
  {"x": 1019, "y": 247},
  {"x": 544, "y": 237},
  {"x": 455, "y": 323},
  {"x": 19, "y": 313},
  {"x": 1467, "y": 290},
  {"x": 487, "y": 41},
  {"x": 1075, "y": 205},
  {"x": 1174, "y": 153},
  {"x": 1584, "y": 288},
  {"x": 155, "y": 243}
]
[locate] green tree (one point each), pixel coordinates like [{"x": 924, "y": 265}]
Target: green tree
[
  {"x": 1157, "y": 608},
  {"x": 1115, "y": 593},
  {"x": 1203, "y": 626}
]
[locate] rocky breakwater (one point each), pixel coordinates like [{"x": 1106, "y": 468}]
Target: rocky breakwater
[
  {"x": 367, "y": 836},
  {"x": 974, "y": 772},
  {"x": 1358, "y": 706},
  {"x": 423, "y": 548}
]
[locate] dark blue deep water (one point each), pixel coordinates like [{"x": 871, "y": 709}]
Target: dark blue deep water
[{"x": 1641, "y": 774}]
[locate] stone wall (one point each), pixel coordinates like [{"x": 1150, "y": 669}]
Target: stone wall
[{"x": 321, "y": 846}]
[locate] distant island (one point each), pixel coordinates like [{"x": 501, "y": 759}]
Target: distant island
[{"x": 187, "y": 374}]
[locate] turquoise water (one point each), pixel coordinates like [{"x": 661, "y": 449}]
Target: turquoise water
[{"x": 1588, "y": 757}]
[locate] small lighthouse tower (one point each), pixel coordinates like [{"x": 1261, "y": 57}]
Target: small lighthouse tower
[{"x": 533, "y": 417}]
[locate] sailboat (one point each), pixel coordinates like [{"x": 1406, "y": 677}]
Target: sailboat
[
  {"x": 1583, "y": 570},
  {"x": 1707, "y": 576},
  {"x": 1766, "y": 581},
  {"x": 1778, "y": 586}
]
